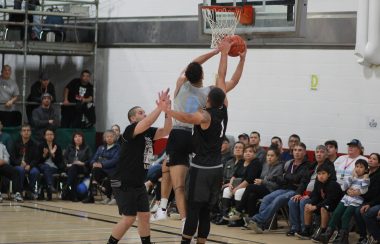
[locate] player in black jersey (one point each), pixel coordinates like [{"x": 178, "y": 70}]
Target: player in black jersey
[
  {"x": 205, "y": 175},
  {"x": 128, "y": 181}
]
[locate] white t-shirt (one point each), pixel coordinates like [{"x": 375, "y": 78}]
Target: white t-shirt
[{"x": 344, "y": 167}]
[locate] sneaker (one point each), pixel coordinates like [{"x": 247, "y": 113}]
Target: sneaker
[
  {"x": 154, "y": 208},
  {"x": 112, "y": 202},
  {"x": 234, "y": 215},
  {"x": 1, "y": 198},
  {"x": 88, "y": 200},
  {"x": 304, "y": 235},
  {"x": 183, "y": 221},
  {"x": 18, "y": 197},
  {"x": 105, "y": 201},
  {"x": 362, "y": 240},
  {"x": 291, "y": 233},
  {"x": 159, "y": 215},
  {"x": 255, "y": 227}
]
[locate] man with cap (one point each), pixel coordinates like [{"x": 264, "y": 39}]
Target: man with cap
[
  {"x": 345, "y": 164},
  {"x": 44, "y": 117},
  {"x": 244, "y": 138},
  {"x": 43, "y": 85}
]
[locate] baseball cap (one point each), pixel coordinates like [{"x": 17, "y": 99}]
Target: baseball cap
[
  {"x": 355, "y": 142},
  {"x": 46, "y": 94},
  {"x": 245, "y": 135}
]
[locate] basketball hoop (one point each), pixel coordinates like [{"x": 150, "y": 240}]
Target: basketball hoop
[{"x": 222, "y": 20}]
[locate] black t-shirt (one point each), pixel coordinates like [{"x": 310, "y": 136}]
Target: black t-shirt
[
  {"x": 207, "y": 143},
  {"x": 77, "y": 90},
  {"x": 139, "y": 149}
]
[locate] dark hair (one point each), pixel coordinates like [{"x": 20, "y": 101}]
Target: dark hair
[
  {"x": 377, "y": 156},
  {"x": 332, "y": 143},
  {"x": 5, "y": 66},
  {"x": 276, "y": 137},
  {"x": 79, "y": 133},
  {"x": 362, "y": 162},
  {"x": 239, "y": 142},
  {"x": 274, "y": 148},
  {"x": 226, "y": 139},
  {"x": 132, "y": 112},
  {"x": 257, "y": 133},
  {"x": 85, "y": 71},
  {"x": 324, "y": 167},
  {"x": 300, "y": 144},
  {"x": 216, "y": 97},
  {"x": 295, "y": 136},
  {"x": 194, "y": 72},
  {"x": 250, "y": 146},
  {"x": 26, "y": 125}
]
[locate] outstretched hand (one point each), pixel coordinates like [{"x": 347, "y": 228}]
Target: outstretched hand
[
  {"x": 163, "y": 99},
  {"x": 225, "y": 45}
]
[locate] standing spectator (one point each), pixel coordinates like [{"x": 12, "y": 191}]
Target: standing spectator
[
  {"x": 50, "y": 161},
  {"x": 9, "y": 93},
  {"x": 5, "y": 138},
  {"x": 24, "y": 157},
  {"x": 77, "y": 158},
  {"x": 371, "y": 198},
  {"x": 44, "y": 117},
  {"x": 103, "y": 166},
  {"x": 345, "y": 164},
  {"x": 332, "y": 150},
  {"x": 43, "y": 85},
  {"x": 9, "y": 172},
  {"x": 80, "y": 92},
  {"x": 254, "y": 139}
]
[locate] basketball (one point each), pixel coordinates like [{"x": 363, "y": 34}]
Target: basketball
[{"x": 238, "y": 46}]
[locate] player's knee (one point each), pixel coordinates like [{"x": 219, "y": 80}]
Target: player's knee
[{"x": 179, "y": 189}]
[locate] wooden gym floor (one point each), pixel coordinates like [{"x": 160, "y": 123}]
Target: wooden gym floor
[{"x": 66, "y": 222}]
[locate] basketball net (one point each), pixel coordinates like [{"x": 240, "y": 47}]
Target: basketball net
[{"x": 222, "y": 21}]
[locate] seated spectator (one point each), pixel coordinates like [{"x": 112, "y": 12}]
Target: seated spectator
[
  {"x": 293, "y": 140},
  {"x": 296, "y": 172},
  {"x": 9, "y": 94},
  {"x": 5, "y": 138},
  {"x": 43, "y": 85},
  {"x": 50, "y": 162},
  {"x": 332, "y": 150},
  {"x": 116, "y": 129},
  {"x": 345, "y": 164},
  {"x": 103, "y": 165},
  {"x": 297, "y": 203},
  {"x": 225, "y": 150},
  {"x": 370, "y": 199},
  {"x": 324, "y": 199},
  {"x": 254, "y": 139},
  {"x": 44, "y": 117},
  {"x": 355, "y": 186},
  {"x": 24, "y": 157},
  {"x": 79, "y": 92},
  {"x": 261, "y": 187},
  {"x": 245, "y": 174},
  {"x": 373, "y": 223},
  {"x": 9, "y": 172},
  {"x": 77, "y": 158}
]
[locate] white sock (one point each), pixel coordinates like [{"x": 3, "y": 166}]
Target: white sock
[{"x": 163, "y": 203}]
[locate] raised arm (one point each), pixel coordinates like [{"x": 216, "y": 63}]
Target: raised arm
[
  {"x": 147, "y": 122},
  {"x": 162, "y": 132},
  {"x": 237, "y": 74},
  {"x": 224, "y": 48},
  {"x": 201, "y": 60}
]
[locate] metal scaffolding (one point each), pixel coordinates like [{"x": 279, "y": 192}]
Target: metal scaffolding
[{"x": 79, "y": 28}]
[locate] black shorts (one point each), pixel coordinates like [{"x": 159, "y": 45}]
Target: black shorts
[
  {"x": 203, "y": 185},
  {"x": 131, "y": 200},
  {"x": 179, "y": 147}
]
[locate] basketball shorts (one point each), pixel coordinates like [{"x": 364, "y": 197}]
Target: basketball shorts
[
  {"x": 203, "y": 185},
  {"x": 179, "y": 147},
  {"x": 131, "y": 200}
]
